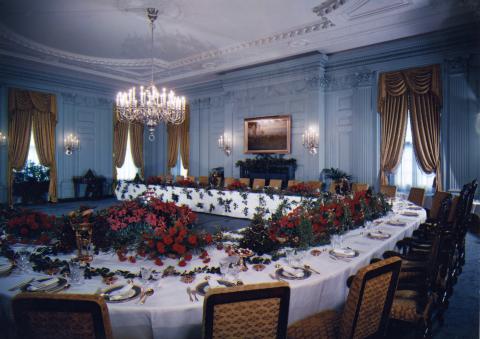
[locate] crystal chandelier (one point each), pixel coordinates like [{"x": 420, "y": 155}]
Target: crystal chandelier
[{"x": 149, "y": 106}]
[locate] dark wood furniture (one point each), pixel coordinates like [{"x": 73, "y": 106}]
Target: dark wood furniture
[
  {"x": 284, "y": 173},
  {"x": 95, "y": 185}
]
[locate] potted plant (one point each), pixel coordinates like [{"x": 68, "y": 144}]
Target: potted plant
[
  {"x": 31, "y": 183},
  {"x": 339, "y": 178}
]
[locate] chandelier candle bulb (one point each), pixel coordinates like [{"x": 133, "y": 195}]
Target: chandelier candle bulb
[{"x": 71, "y": 144}]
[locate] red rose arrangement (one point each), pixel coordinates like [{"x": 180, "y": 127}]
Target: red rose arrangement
[
  {"x": 302, "y": 189},
  {"x": 29, "y": 226},
  {"x": 237, "y": 186},
  {"x": 154, "y": 180}
]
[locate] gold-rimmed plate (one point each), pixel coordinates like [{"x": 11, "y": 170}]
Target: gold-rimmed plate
[
  {"x": 378, "y": 235},
  {"x": 133, "y": 293},
  {"x": 203, "y": 287},
  {"x": 58, "y": 285},
  {"x": 396, "y": 223},
  {"x": 303, "y": 273},
  {"x": 344, "y": 253}
]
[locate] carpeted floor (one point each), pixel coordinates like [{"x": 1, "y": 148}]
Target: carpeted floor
[{"x": 461, "y": 318}]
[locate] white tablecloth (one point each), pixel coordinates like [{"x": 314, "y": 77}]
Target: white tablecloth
[
  {"x": 170, "y": 314},
  {"x": 199, "y": 200}
]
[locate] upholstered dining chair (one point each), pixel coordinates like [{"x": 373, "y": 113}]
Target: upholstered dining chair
[
  {"x": 249, "y": 311},
  {"x": 333, "y": 187},
  {"x": 359, "y": 187},
  {"x": 245, "y": 181},
  {"x": 190, "y": 178},
  {"x": 417, "y": 196},
  {"x": 61, "y": 316},
  {"x": 179, "y": 178},
  {"x": 275, "y": 183},
  {"x": 228, "y": 181},
  {"x": 389, "y": 191},
  {"x": 168, "y": 178},
  {"x": 203, "y": 180},
  {"x": 437, "y": 199},
  {"x": 366, "y": 311},
  {"x": 258, "y": 184},
  {"x": 316, "y": 185},
  {"x": 292, "y": 183}
]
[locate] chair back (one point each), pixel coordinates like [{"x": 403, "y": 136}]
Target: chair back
[
  {"x": 168, "y": 178},
  {"x": 333, "y": 187},
  {"x": 292, "y": 183},
  {"x": 359, "y": 187},
  {"x": 316, "y": 185},
  {"x": 275, "y": 183},
  {"x": 388, "y": 190},
  {"x": 191, "y": 178},
  {"x": 258, "y": 184},
  {"x": 417, "y": 196},
  {"x": 228, "y": 181},
  {"x": 179, "y": 178},
  {"x": 65, "y": 316},
  {"x": 245, "y": 181},
  {"x": 437, "y": 200},
  {"x": 370, "y": 299},
  {"x": 250, "y": 311},
  {"x": 203, "y": 180}
]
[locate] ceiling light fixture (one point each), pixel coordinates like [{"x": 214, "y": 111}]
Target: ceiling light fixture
[{"x": 149, "y": 106}]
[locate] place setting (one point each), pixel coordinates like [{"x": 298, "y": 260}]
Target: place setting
[{"x": 339, "y": 252}]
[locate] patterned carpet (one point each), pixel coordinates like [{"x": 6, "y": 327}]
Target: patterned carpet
[{"x": 461, "y": 318}]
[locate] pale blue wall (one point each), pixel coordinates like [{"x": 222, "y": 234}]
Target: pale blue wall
[
  {"x": 83, "y": 109},
  {"x": 337, "y": 94}
]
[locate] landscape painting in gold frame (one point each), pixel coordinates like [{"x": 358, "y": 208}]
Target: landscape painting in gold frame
[{"x": 271, "y": 134}]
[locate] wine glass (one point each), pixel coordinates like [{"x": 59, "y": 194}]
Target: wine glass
[{"x": 145, "y": 274}]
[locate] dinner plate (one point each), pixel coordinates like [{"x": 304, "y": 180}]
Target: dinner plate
[
  {"x": 343, "y": 253},
  {"x": 285, "y": 275},
  {"x": 130, "y": 295},
  {"x": 396, "y": 223},
  {"x": 409, "y": 214},
  {"x": 378, "y": 235},
  {"x": 55, "y": 287},
  {"x": 203, "y": 287}
]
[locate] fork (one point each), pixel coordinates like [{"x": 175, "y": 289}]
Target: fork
[{"x": 189, "y": 291}]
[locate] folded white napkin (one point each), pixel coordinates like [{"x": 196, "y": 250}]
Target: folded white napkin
[
  {"x": 296, "y": 272},
  {"x": 37, "y": 285},
  {"x": 396, "y": 223},
  {"x": 378, "y": 234},
  {"x": 120, "y": 292},
  {"x": 346, "y": 252},
  {"x": 213, "y": 283}
]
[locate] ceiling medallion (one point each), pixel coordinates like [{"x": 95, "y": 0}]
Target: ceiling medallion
[{"x": 149, "y": 106}]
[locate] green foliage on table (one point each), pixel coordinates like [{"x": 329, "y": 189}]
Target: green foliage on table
[
  {"x": 305, "y": 233},
  {"x": 336, "y": 174},
  {"x": 256, "y": 236},
  {"x": 263, "y": 162}
]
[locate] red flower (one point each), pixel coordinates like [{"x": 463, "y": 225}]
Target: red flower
[
  {"x": 150, "y": 243},
  {"x": 192, "y": 240},
  {"x": 188, "y": 256},
  {"x": 132, "y": 259},
  {"x": 206, "y": 260},
  {"x": 160, "y": 247},
  {"x": 182, "y": 263},
  {"x": 180, "y": 249},
  {"x": 158, "y": 262},
  {"x": 208, "y": 238},
  {"x": 167, "y": 240},
  {"x": 172, "y": 231}
]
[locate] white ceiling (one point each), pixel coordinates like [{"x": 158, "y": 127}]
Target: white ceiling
[{"x": 197, "y": 38}]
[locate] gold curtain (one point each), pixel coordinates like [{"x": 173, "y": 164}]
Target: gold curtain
[
  {"x": 421, "y": 89},
  {"x": 393, "y": 111},
  {"x": 136, "y": 144},
  {"x": 184, "y": 136},
  {"x": 172, "y": 145},
  {"x": 120, "y": 135},
  {"x": 426, "y": 101},
  {"x": 29, "y": 109}
]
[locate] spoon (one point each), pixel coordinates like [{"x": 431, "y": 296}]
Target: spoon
[{"x": 148, "y": 292}]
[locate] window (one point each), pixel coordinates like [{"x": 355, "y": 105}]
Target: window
[
  {"x": 178, "y": 169},
  {"x": 128, "y": 170},
  {"x": 409, "y": 173},
  {"x": 32, "y": 151}
]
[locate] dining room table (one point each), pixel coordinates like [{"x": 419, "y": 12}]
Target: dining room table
[{"x": 171, "y": 312}]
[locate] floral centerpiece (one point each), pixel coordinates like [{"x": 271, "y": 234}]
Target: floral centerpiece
[
  {"x": 303, "y": 189},
  {"x": 237, "y": 186},
  {"x": 30, "y": 227},
  {"x": 185, "y": 183},
  {"x": 155, "y": 180}
]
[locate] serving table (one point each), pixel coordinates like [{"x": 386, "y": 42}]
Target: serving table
[
  {"x": 221, "y": 202},
  {"x": 169, "y": 313}
]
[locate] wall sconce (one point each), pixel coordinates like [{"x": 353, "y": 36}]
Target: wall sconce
[
  {"x": 310, "y": 141},
  {"x": 3, "y": 139},
  {"x": 70, "y": 144},
  {"x": 225, "y": 144}
]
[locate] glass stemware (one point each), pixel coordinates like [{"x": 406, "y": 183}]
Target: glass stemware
[{"x": 145, "y": 274}]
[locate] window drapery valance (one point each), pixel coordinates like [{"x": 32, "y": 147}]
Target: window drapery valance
[
  {"x": 417, "y": 90},
  {"x": 27, "y": 110}
]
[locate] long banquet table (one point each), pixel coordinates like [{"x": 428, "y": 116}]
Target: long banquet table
[
  {"x": 213, "y": 201},
  {"x": 170, "y": 314}
]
